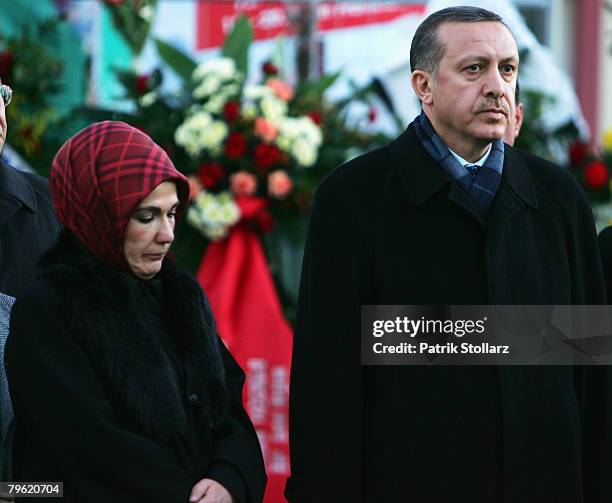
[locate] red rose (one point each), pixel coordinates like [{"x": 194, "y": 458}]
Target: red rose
[
  {"x": 372, "y": 114},
  {"x": 231, "y": 111},
  {"x": 269, "y": 68},
  {"x": 142, "y": 84},
  {"x": 316, "y": 117},
  {"x": 265, "y": 221},
  {"x": 577, "y": 152},
  {"x": 236, "y": 145},
  {"x": 595, "y": 175},
  {"x": 210, "y": 173},
  {"x": 265, "y": 156},
  {"x": 6, "y": 65}
]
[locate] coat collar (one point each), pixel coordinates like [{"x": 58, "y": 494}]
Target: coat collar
[
  {"x": 119, "y": 322},
  {"x": 15, "y": 187},
  {"x": 422, "y": 177}
]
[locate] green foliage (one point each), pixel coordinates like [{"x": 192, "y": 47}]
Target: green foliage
[
  {"x": 31, "y": 116},
  {"x": 177, "y": 60},
  {"x": 132, "y": 18},
  {"x": 312, "y": 90},
  {"x": 237, "y": 44}
]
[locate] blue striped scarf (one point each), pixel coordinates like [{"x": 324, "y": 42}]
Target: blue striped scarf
[{"x": 482, "y": 186}]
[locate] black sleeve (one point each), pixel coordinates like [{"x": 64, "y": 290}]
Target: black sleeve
[
  {"x": 593, "y": 383},
  {"x": 237, "y": 461},
  {"x": 605, "y": 248},
  {"x": 59, "y": 403},
  {"x": 326, "y": 395},
  {"x": 230, "y": 478}
]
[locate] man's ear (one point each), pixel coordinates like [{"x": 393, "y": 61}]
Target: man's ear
[{"x": 421, "y": 83}]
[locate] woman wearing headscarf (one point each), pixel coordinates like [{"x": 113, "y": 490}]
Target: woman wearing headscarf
[{"x": 121, "y": 387}]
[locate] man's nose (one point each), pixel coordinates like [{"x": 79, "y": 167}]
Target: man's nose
[{"x": 494, "y": 84}]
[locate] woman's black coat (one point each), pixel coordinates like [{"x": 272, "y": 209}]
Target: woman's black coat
[
  {"x": 114, "y": 383},
  {"x": 391, "y": 227}
]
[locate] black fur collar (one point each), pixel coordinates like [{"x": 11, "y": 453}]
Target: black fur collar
[{"x": 111, "y": 319}]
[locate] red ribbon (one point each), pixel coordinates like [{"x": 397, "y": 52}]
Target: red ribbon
[{"x": 235, "y": 275}]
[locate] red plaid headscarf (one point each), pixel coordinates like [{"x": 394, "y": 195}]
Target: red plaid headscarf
[{"x": 99, "y": 177}]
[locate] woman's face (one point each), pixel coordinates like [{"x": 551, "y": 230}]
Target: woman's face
[{"x": 150, "y": 231}]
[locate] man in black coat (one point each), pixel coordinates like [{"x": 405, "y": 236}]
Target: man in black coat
[
  {"x": 28, "y": 225},
  {"x": 410, "y": 224}
]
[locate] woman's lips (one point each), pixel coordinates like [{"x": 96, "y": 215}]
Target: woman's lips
[{"x": 154, "y": 256}]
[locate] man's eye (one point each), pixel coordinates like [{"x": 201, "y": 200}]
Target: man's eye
[
  {"x": 172, "y": 214},
  {"x": 508, "y": 69},
  {"x": 474, "y": 68}
]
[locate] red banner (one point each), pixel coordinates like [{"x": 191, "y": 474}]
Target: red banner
[
  {"x": 235, "y": 276},
  {"x": 271, "y": 19}
]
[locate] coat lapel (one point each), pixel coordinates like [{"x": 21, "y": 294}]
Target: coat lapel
[
  {"x": 15, "y": 192},
  {"x": 422, "y": 178}
]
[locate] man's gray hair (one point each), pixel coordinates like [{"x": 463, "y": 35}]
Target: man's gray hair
[{"x": 426, "y": 50}]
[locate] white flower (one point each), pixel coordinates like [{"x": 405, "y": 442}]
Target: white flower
[
  {"x": 215, "y": 103},
  {"x": 147, "y": 12},
  {"x": 284, "y": 143},
  {"x": 301, "y": 138},
  {"x": 304, "y": 152},
  {"x": 231, "y": 90},
  {"x": 146, "y": 100},
  {"x": 213, "y": 214},
  {"x": 289, "y": 128},
  {"x": 213, "y": 136},
  {"x": 248, "y": 111},
  {"x": 200, "y": 132},
  {"x": 210, "y": 84},
  {"x": 253, "y": 92},
  {"x": 222, "y": 68},
  {"x": 273, "y": 109},
  {"x": 310, "y": 131}
]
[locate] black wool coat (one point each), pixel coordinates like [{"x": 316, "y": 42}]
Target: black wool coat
[
  {"x": 28, "y": 227},
  {"x": 392, "y": 227},
  {"x": 122, "y": 389}
]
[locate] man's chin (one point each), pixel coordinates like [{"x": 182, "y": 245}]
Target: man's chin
[{"x": 492, "y": 134}]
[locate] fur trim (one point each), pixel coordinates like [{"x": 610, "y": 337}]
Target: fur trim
[{"x": 109, "y": 322}]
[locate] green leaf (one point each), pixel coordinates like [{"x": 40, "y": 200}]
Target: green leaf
[
  {"x": 182, "y": 64},
  {"x": 317, "y": 87},
  {"x": 236, "y": 45}
]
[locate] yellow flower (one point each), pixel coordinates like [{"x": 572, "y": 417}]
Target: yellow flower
[{"x": 607, "y": 139}]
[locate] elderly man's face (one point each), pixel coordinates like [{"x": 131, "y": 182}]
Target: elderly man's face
[{"x": 468, "y": 100}]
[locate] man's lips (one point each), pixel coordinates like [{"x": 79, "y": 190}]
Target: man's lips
[
  {"x": 495, "y": 111},
  {"x": 494, "y": 114}
]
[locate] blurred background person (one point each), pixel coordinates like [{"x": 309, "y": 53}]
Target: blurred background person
[
  {"x": 28, "y": 225},
  {"x": 515, "y": 117}
]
